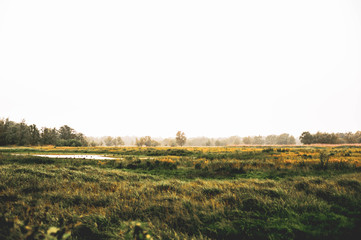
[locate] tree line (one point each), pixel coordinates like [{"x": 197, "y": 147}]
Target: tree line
[
  {"x": 282, "y": 139},
  {"x": 331, "y": 138},
  {"x": 21, "y": 134},
  {"x": 105, "y": 141}
]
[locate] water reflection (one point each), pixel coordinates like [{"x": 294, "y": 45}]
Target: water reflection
[{"x": 95, "y": 157}]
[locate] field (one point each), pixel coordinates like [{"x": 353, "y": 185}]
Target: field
[{"x": 273, "y": 192}]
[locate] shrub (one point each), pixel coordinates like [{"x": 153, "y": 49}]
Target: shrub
[{"x": 324, "y": 158}]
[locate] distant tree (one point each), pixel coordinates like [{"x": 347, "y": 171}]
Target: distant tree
[
  {"x": 109, "y": 141},
  {"x": 330, "y": 138},
  {"x": 66, "y": 133},
  {"x": 258, "y": 140},
  {"x": 247, "y": 140},
  {"x": 34, "y": 135},
  {"x": 199, "y": 141},
  {"x": 139, "y": 142},
  {"x": 82, "y": 139},
  {"x": 8, "y": 132},
  {"x": 180, "y": 138},
  {"x": 169, "y": 142},
  {"x": 358, "y": 136},
  {"x": 325, "y": 138},
  {"x": 2, "y": 132},
  {"x": 69, "y": 137},
  {"x": 271, "y": 139},
  {"x": 233, "y": 140},
  {"x": 291, "y": 140},
  {"x": 154, "y": 143},
  {"x": 23, "y": 134},
  {"x": 350, "y": 137},
  {"x": 147, "y": 141},
  {"x": 237, "y": 140},
  {"x": 333, "y": 138},
  {"x": 306, "y": 138},
  {"x": 285, "y": 139},
  {"x": 49, "y": 136},
  {"x": 11, "y": 132},
  {"x": 119, "y": 141}
]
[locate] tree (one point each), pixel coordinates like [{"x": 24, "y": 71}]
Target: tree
[
  {"x": 154, "y": 143},
  {"x": 119, "y": 141},
  {"x": 247, "y": 140},
  {"x": 358, "y": 136},
  {"x": 2, "y": 132},
  {"x": 285, "y": 139},
  {"x": 147, "y": 141},
  {"x": 258, "y": 140},
  {"x": 11, "y": 132},
  {"x": 139, "y": 142},
  {"x": 82, "y": 139},
  {"x": 69, "y": 137},
  {"x": 34, "y": 135},
  {"x": 350, "y": 137},
  {"x": 180, "y": 138},
  {"x": 233, "y": 140},
  {"x": 218, "y": 143},
  {"x": 66, "y": 132},
  {"x": 236, "y": 140},
  {"x": 169, "y": 142},
  {"x": 23, "y": 134},
  {"x": 306, "y": 138},
  {"x": 109, "y": 141},
  {"x": 271, "y": 139},
  {"x": 291, "y": 140},
  {"x": 49, "y": 136},
  {"x": 7, "y": 132}
]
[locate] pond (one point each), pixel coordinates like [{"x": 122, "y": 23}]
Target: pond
[{"x": 95, "y": 157}]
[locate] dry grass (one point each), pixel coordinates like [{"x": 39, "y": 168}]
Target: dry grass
[{"x": 271, "y": 198}]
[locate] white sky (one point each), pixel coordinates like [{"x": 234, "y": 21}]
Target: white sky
[{"x": 208, "y": 68}]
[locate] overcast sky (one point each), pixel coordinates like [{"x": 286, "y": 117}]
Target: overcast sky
[{"x": 208, "y": 68}]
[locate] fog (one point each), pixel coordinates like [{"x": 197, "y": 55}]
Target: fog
[{"x": 208, "y": 68}]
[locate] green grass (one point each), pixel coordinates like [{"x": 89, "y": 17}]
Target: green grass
[{"x": 224, "y": 198}]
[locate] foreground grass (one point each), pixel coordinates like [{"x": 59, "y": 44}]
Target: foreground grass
[{"x": 264, "y": 198}]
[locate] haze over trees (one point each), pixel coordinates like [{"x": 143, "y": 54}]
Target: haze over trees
[
  {"x": 282, "y": 139},
  {"x": 113, "y": 141},
  {"x": 22, "y": 134},
  {"x": 107, "y": 141},
  {"x": 146, "y": 141}
]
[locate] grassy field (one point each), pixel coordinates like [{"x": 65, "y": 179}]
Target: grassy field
[{"x": 182, "y": 193}]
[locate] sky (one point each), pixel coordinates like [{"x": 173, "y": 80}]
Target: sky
[{"x": 208, "y": 68}]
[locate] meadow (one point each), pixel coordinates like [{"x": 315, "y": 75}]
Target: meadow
[{"x": 268, "y": 192}]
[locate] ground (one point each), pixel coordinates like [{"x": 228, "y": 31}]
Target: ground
[{"x": 272, "y": 192}]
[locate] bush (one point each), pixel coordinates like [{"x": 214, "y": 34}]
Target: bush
[{"x": 324, "y": 158}]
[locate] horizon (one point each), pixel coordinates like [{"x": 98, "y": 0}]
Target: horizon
[{"x": 171, "y": 137}]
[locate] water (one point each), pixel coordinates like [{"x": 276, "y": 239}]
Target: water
[{"x": 95, "y": 157}]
